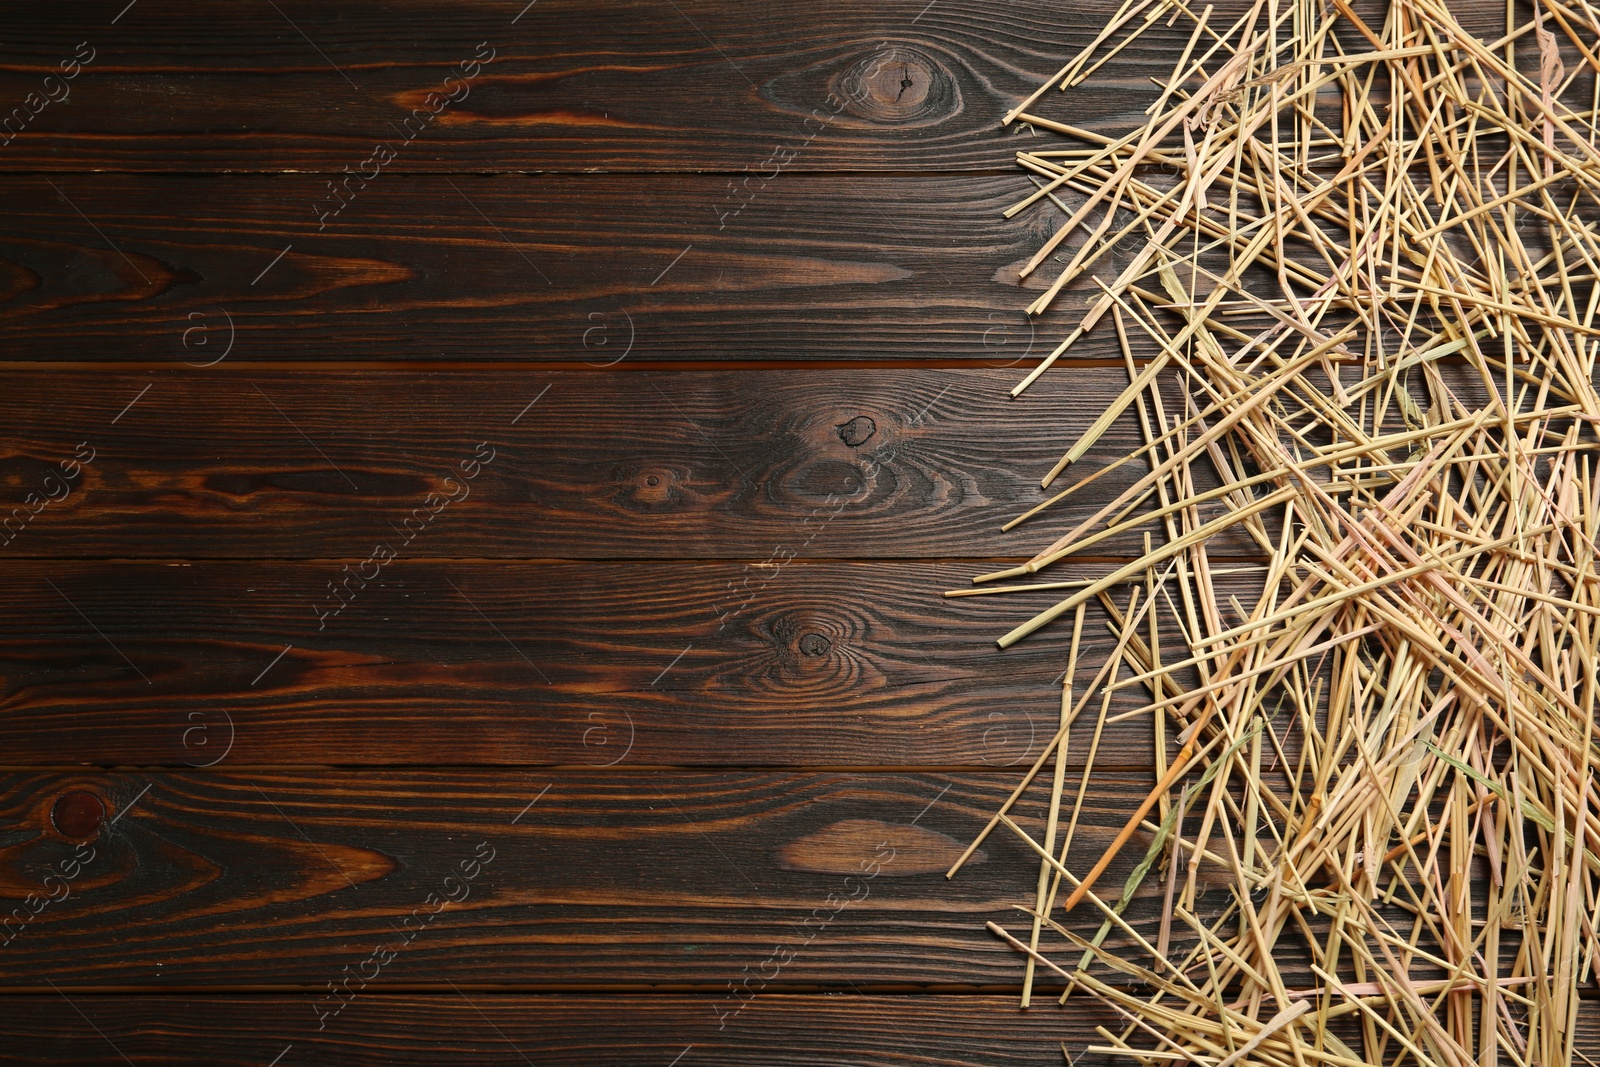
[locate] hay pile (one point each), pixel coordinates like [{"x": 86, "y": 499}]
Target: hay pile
[{"x": 1358, "y": 320}]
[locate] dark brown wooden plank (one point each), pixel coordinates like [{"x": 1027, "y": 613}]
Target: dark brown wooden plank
[
  {"x": 247, "y": 880},
  {"x": 568, "y": 268},
  {"x": 760, "y": 466},
  {"x": 487, "y": 1028},
  {"x": 484, "y": 1028},
  {"x": 807, "y": 664},
  {"x": 568, "y": 85}
]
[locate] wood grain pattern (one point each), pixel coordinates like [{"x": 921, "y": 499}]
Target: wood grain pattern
[
  {"x": 247, "y": 880},
  {"x": 666, "y": 678},
  {"x": 487, "y": 1029},
  {"x": 812, "y": 663},
  {"x": 625, "y": 86},
  {"x": 233, "y": 462},
  {"x": 581, "y": 269}
]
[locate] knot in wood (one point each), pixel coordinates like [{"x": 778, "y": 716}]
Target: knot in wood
[
  {"x": 898, "y": 85},
  {"x": 77, "y": 814},
  {"x": 858, "y": 431},
  {"x": 814, "y": 645}
]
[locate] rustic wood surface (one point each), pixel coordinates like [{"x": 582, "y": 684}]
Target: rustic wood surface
[
  {"x": 669, "y": 363},
  {"x": 754, "y": 465},
  {"x": 808, "y": 663},
  {"x": 516, "y": 268},
  {"x": 631, "y": 86},
  {"x": 635, "y": 877},
  {"x": 511, "y": 1030}
]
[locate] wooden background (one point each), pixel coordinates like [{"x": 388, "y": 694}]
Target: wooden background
[{"x": 714, "y": 301}]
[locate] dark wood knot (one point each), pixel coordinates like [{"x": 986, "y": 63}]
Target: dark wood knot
[
  {"x": 78, "y": 814},
  {"x": 814, "y": 645},
  {"x": 898, "y": 85},
  {"x": 858, "y": 431}
]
